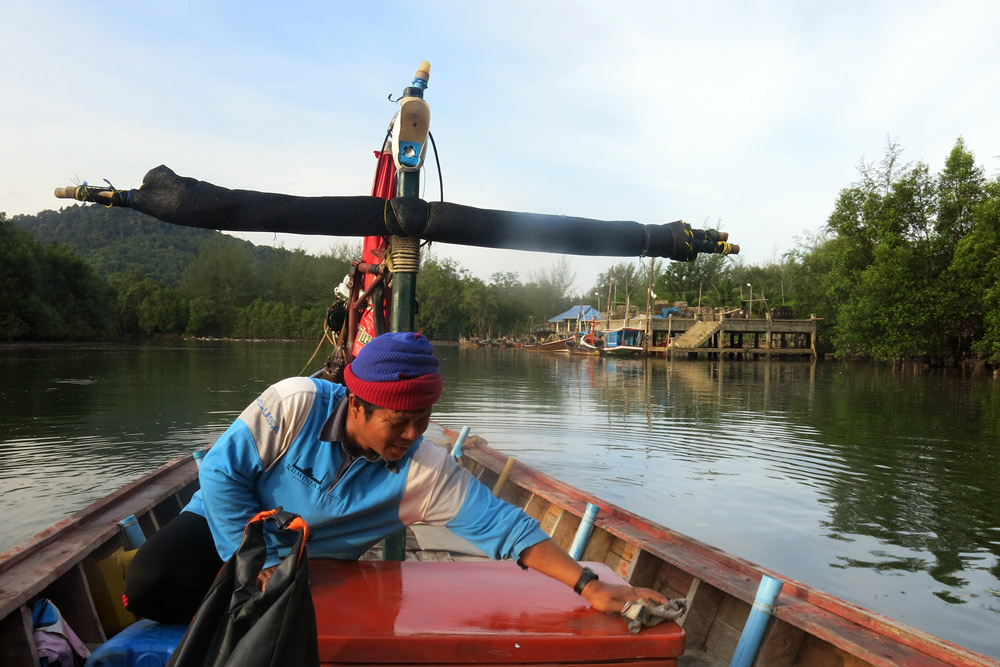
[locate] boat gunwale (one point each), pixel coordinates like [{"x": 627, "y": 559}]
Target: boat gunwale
[{"x": 83, "y": 532}]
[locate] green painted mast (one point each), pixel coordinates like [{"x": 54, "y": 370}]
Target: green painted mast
[{"x": 410, "y": 128}]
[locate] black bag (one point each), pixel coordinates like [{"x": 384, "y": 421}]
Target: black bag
[{"x": 237, "y": 625}]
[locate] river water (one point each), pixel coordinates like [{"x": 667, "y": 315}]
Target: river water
[{"x": 876, "y": 485}]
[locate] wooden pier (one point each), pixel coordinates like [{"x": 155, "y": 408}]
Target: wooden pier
[{"x": 730, "y": 337}]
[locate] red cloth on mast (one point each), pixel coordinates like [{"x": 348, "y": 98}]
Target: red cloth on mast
[{"x": 375, "y": 247}]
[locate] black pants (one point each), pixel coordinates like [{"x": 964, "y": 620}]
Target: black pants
[{"x": 171, "y": 573}]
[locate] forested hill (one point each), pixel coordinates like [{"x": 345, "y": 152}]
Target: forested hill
[
  {"x": 89, "y": 272},
  {"x": 115, "y": 240}
]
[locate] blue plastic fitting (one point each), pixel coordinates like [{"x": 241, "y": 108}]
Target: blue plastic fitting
[
  {"x": 456, "y": 451},
  {"x": 134, "y": 537},
  {"x": 198, "y": 455},
  {"x": 583, "y": 532},
  {"x": 753, "y": 630}
]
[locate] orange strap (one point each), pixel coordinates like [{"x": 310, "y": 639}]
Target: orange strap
[
  {"x": 260, "y": 516},
  {"x": 298, "y": 523}
]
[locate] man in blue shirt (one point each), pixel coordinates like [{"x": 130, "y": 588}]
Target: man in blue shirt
[{"x": 353, "y": 464}]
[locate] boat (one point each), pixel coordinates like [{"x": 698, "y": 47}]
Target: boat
[
  {"x": 554, "y": 344},
  {"x": 78, "y": 564},
  {"x": 591, "y": 341},
  {"x": 624, "y": 342},
  {"x": 585, "y": 343},
  {"x": 69, "y": 564}
]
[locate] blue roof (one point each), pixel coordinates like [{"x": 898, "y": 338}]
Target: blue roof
[{"x": 585, "y": 313}]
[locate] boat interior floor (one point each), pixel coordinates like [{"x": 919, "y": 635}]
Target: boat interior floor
[{"x": 692, "y": 658}]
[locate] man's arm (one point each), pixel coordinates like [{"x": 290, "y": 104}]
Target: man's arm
[
  {"x": 227, "y": 476},
  {"x": 549, "y": 558},
  {"x": 255, "y": 441}
]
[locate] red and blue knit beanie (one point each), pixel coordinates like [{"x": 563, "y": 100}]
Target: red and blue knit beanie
[{"x": 397, "y": 371}]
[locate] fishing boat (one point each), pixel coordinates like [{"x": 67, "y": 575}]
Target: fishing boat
[
  {"x": 577, "y": 347},
  {"x": 624, "y": 342},
  {"x": 470, "y": 342},
  {"x": 78, "y": 563},
  {"x": 588, "y": 343},
  {"x": 558, "y": 344},
  {"x": 591, "y": 341}
]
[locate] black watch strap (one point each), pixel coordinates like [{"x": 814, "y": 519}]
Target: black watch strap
[{"x": 586, "y": 577}]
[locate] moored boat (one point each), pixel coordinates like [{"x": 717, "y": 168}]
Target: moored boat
[
  {"x": 579, "y": 345},
  {"x": 624, "y": 342},
  {"x": 69, "y": 565},
  {"x": 555, "y": 344},
  {"x": 592, "y": 342}
]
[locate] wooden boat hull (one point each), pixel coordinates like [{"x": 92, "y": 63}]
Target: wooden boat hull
[
  {"x": 809, "y": 628},
  {"x": 623, "y": 351},
  {"x": 554, "y": 346}
]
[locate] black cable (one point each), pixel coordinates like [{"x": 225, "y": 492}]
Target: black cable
[{"x": 437, "y": 161}]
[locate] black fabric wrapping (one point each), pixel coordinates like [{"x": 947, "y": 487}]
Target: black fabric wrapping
[
  {"x": 186, "y": 201},
  {"x": 239, "y": 626}
]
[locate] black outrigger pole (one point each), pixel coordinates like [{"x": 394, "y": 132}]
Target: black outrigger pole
[{"x": 187, "y": 201}]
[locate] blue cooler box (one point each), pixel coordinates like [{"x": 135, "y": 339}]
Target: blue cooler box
[{"x": 142, "y": 644}]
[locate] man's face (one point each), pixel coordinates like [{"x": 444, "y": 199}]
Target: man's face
[{"x": 388, "y": 433}]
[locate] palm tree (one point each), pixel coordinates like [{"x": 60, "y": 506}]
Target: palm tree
[{"x": 724, "y": 292}]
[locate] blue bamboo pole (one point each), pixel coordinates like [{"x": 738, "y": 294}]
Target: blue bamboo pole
[
  {"x": 753, "y": 630},
  {"x": 583, "y": 532}
]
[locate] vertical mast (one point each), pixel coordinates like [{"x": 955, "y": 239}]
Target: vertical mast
[{"x": 409, "y": 143}]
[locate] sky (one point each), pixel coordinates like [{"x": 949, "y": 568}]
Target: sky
[{"x": 747, "y": 117}]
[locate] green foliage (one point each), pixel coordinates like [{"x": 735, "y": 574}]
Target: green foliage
[
  {"x": 163, "y": 311},
  {"x": 205, "y": 318},
  {"x": 275, "y": 319},
  {"x": 48, "y": 293},
  {"x": 724, "y": 292},
  {"x": 911, "y": 261},
  {"x": 147, "y": 307},
  {"x": 440, "y": 315},
  {"x": 688, "y": 281},
  {"x": 976, "y": 268}
]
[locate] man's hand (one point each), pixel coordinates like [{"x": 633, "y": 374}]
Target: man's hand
[
  {"x": 611, "y": 598},
  {"x": 263, "y": 576}
]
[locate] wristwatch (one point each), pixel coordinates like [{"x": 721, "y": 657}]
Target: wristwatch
[{"x": 586, "y": 577}]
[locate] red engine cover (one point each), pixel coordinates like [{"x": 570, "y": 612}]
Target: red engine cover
[{"x": 471, "y": 612}]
